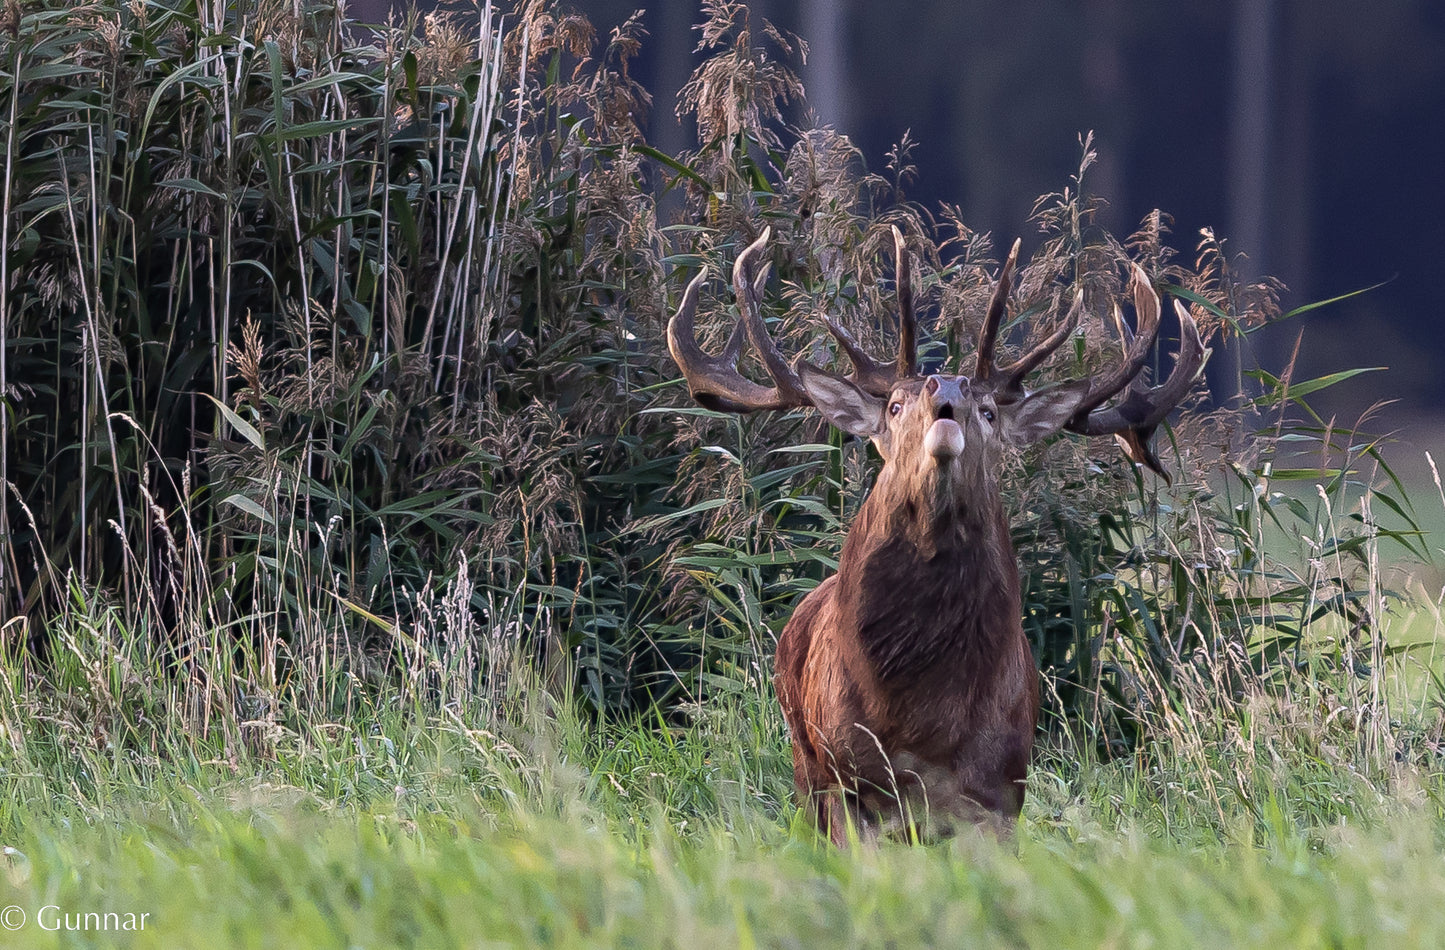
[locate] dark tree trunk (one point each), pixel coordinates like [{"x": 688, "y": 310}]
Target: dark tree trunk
[
  {"x": 1248, "y": 185},
  {"x": 826, "y": 75}
]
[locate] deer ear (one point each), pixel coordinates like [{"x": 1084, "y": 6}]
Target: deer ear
[
  {"x": 842, "y": 403},
  {"x": 1043, "y": 413}
]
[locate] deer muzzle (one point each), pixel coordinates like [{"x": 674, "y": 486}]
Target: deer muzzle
[{"x": 944, "y": 439}]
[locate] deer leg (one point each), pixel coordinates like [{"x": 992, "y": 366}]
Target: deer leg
[{"x": 991, "y": 779}]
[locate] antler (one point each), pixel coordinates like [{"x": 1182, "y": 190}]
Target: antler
[
  {"x": 997, "y": 304},
  {"x": 880, "y": 378},
  {"x": 714, "y": 381},
  {"x": 1012, "y": 376},
  {"x": 1139, "y": 413},
  {"x": 1141, "y": 410}
]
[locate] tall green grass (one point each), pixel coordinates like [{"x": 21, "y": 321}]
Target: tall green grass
[
  {"x": 384, "y": 830},
  {"x": 302, "y": 878},
  {"x": 333, "y": 362}
]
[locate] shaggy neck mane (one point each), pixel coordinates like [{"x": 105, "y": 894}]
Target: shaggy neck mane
[
  {"x": 938, "y": 512},
  {"x": 926, "y": 582}
]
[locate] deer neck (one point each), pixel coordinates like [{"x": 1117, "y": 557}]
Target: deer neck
[
  {"x": 925, "y": 583},
  {"x": 940, "y": 512}
]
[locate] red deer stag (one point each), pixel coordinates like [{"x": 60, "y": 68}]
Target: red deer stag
[{"x": 906, "y": 679}]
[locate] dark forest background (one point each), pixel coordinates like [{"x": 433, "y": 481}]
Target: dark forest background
[{"x": 1307, "y": 131}]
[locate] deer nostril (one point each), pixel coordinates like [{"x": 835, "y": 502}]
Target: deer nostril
[{"x": 931, "y": 386}]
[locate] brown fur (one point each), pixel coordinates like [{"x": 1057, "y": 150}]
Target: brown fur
[{"x": 906, "y": 679}]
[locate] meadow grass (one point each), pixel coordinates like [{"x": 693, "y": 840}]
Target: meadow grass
[
  {"x": 283, "y": 873},
  {"x": 444, "y": 805},
  {"x": 521, "y": 824}
]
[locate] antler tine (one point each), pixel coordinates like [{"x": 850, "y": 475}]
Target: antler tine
[
  {"x": 868, "y": 374},
  {"x": 1013, "y": 384},
  {"x": 988, "y": 333},
  {"x": 907, "y": 323},
  {"x": 714, "y": 381},
  {"x": 748, "y": 289},
  {"x": 871, "y": 376},
  {"x": 1136, "y": 352},
  {"x": 1136, "y": 417}
]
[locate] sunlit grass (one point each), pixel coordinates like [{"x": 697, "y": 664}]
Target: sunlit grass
[
  {"x": 301, "y": 878},
  {"x": 394, "y": 834}
]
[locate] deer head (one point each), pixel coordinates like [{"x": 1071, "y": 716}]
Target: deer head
[{"x": 950, "y": 426}]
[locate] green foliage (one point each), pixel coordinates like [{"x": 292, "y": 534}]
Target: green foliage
[
  {"x": 390, "y": 828},
  {"x": 334, "y": 362}
]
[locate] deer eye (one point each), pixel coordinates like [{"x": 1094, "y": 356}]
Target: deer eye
[
  {"x": 895, "y": 409},
  {"x": 987, "y": 414}
]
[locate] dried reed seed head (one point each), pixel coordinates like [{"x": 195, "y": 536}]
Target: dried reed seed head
[
  {"x": 246, "y": 358},
  {"x": 56, "y": 285},
  {"x": 822, "y": 178},
  {"x": 446, "y": 49},
  {"x": 618, "y": 106},
  {"x": 618, "y": 103},
  {"x": 106, "y": 39},
  {"x": 900, "y": 164},
  {"x": 177, "y": 36},
  {"x": 625, "y": 41},
  {"x": 1147, "y": 245},
  {"x": 540, "y": 33},
  {"x": 536, "y": 476},
  {"x": 277, "y": 20},
  {"x": 740, "y": 90},
  {"x": 734, "y": 94},
  {"x": 1219, "y": 277}
]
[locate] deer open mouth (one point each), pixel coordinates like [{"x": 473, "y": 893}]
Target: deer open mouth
[{"x": 944, "y": 439}]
